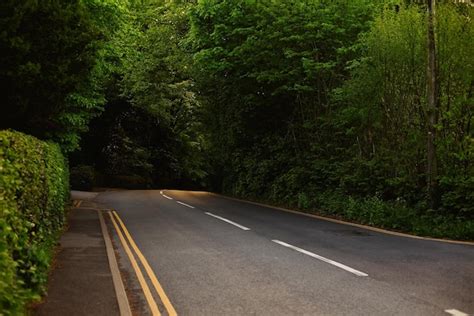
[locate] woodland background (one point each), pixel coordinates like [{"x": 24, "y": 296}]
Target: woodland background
[{"x": 313, "y": 104}]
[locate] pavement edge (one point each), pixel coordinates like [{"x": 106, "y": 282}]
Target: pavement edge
[
  {"x": 328, "y": 219},
  {"x": 124, "y": 305}
]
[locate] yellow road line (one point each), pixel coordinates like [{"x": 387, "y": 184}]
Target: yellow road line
[
  {"x": 146, "y": 290},
  {"x": 122, "y": 300},
  {"x": 164, "y": 298},
  {"x": 95, "y": 209}
]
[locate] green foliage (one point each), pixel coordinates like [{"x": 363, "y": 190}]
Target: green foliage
[
  {"x": 394, "y": 215},
  {"x": 150, "y": 131},
  {"x": 126, "y": 159},
  {"x": 83, "y": 178},
  {"x": 35, "y": 188},
  {"x": 157, "y": 81},
  {"x": 386, "y": 109},
  {"x": 313, "y": 104},
  {"x": 52, "y": 70},
  {"x": 304, "y": 99},
  {"x": 266, "y": 70}
]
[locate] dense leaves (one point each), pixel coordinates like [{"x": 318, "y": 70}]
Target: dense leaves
[
  {"x": 314, "y": 104},
  {"x": 268, "y": 70},
  {"x": 53, "y": 62},
  {"x": 323, "y": 105},
  {"x": 34, "y": 181},
  {"x": 149, "y": 133},
  {"x": 388, "y": 88}
]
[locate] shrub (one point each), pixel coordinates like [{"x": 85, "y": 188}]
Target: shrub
[
  {"x": 35, "y": 187},
  {"x": 394, "y": 215},
  {"x": 83, "y": 178},
  {"x": 458, "y": 197},
  {"x": 130, "y": 181}
]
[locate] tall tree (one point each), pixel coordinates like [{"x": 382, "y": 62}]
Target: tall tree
[
  {"x": 149, "y": 132},
  {"x": 433, "y": 105},
  {"x": 53, "y": 64}
]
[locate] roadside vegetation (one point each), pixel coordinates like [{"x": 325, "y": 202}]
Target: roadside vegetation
[
  {"x": 317, "y": 105},
  {"x": 35, "y": 189},
  {"x": 323, "y": 106},
  {"x": 54, "y": 62}
]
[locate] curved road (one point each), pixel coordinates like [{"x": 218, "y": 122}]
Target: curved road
[{"x": 216, "y": 256}]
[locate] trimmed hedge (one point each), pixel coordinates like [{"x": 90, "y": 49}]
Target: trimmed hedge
[{"x": 34, "y": 184}]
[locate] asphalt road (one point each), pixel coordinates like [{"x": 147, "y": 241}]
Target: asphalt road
[{"x": 215, "y": 256}]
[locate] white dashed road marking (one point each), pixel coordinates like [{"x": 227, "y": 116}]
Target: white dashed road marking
[
  {"x": 334, "y": 263},
  {"x": 187, "y": 205},
  {"x": 455, "y": 312},
  {"x": 228, "y": 221},
  {"x": 164, "y": 195}
]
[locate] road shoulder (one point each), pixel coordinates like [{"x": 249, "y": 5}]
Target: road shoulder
[
  {"x": 342, "y": 222},
  {"x": 81, "y": 282}
]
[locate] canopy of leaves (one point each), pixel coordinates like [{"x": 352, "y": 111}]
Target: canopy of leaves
[
  {"x": 310, "y": 98},
  {"x": 302, "y": 103},
  {"x": 149, "y": 133},
  {"x": 54, "y": 60}
]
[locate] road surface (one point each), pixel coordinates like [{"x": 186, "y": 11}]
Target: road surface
[{"x": 217, "y": 256}]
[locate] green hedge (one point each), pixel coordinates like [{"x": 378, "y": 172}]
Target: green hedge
[{"x": 34, "y": 184}]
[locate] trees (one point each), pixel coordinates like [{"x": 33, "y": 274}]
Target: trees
[
  {"x": 309, "y": 100},
  {"x": 433, "y": 103},
  {"x": 157, "y": 80},
  {"x": 390, "y": 84},
  {"x": 149, "y": 132},
  {"x": 270, "y": 72},
  {"x": 303, "y": 102},
  {"x": 53, "y": 63},
  {"x": 267, "y": 70}
]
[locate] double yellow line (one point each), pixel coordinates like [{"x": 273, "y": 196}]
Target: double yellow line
[{"x": 114, "y": 217}]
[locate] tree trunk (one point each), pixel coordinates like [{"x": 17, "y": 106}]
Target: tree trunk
[{"x": 433, "y": 102}]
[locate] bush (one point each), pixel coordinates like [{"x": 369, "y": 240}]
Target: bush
[
  {"x": 458, "y": 197},
  {"x": 35, "y": 187},
  {"x": 394, "y": 215},
  {"x": 130, "y": 181},
  {"x": 83, "y": 178}
]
